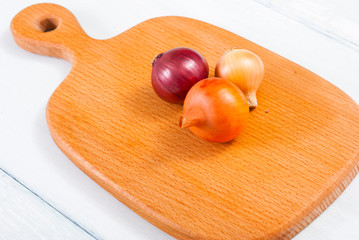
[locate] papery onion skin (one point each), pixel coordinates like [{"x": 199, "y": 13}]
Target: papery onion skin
[
  {"x": 175, "y": 71},
  {"x": 215, "y": 110},
  {"x": 245, "y": 69}
]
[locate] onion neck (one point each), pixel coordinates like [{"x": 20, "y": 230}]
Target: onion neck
[
  {"x": 252, "y": 100},
  {"x": 156, "y": 58},
  {"x": 190, "y": 120}
]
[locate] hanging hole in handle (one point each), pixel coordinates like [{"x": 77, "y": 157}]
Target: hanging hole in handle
[{"x": 47, "y": 24}]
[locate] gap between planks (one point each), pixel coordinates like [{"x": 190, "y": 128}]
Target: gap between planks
[
  {"x": 43, "y": 201},
  {"x": 316, "y": 26}
]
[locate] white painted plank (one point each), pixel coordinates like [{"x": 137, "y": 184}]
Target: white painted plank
[
  {"x": 24, "y": 216},
  {"x": 27, "y": 81},
  {"x": 336, "y": 19}
]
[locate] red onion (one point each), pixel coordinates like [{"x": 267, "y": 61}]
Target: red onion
[{"x": 175, "y": 71}]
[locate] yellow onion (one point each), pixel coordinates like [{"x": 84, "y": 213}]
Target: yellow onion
[
  {"x": 245, "y": 69},
  {"x": 215, "y": 110}
]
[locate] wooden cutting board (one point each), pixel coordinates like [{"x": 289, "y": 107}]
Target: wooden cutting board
[{"x": 299, "y": 151}]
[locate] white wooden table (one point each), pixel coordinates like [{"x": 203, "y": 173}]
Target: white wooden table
[{"x": 44, "y": 196}]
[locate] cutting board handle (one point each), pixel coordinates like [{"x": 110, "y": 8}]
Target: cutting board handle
[{"x": 48, "y": 29}]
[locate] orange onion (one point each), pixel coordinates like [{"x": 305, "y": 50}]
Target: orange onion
[
  {"x": 245, "y": 69},
  {"x": 215, "y": 110}
]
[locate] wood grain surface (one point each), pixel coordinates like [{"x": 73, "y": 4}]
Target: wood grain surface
[{"x": 297, "y": 154}]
